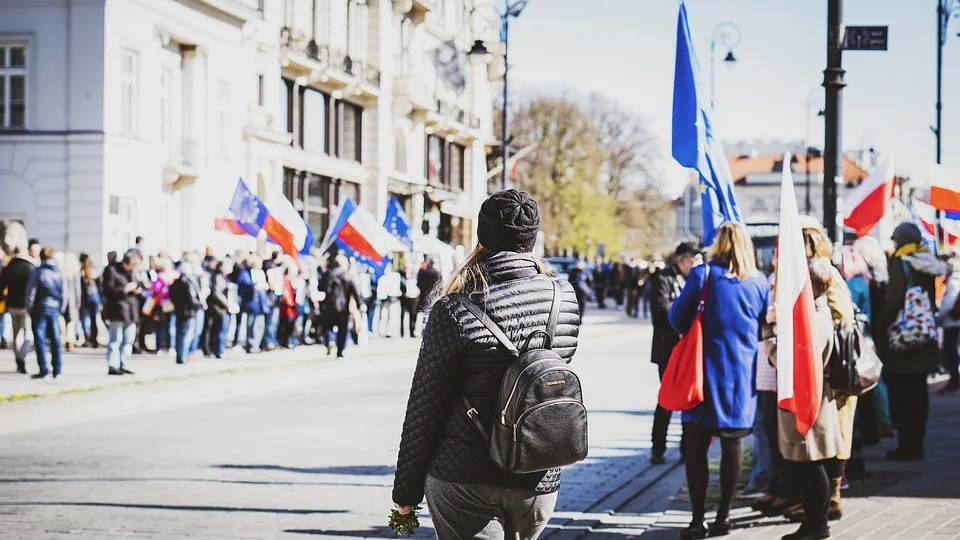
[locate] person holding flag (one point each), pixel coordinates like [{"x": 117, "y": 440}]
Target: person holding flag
[{"x": 731, "y": 295}]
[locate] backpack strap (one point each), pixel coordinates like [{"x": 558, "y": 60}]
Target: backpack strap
[
  {"x": 491, "y": 326},
  {"x": 554, "y": 312}
]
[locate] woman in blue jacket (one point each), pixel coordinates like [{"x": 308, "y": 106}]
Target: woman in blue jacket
[{"x": 734, "y": 309}]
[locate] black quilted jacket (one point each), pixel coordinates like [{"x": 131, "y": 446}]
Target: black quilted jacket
[{"x": 460, "y": 356}]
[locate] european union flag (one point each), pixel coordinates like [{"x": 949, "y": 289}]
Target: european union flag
[
  {"x": 397, "y": 223},
  {"x": 248, "y": 209},
  {"x": 694, "y": 142}
]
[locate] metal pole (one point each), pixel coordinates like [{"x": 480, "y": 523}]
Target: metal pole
[
  {"x": 713, "y": 74},
  {"x": 506, "y": 67},
  {"x": 941, "y": 24},
  {"x": 808, "y": 205},
  {"x": 833, "y": 83}
]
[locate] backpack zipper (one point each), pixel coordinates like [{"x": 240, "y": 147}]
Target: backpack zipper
[
  {"x": 503, "y": 413},
  {"x": 557, "y": 401}
]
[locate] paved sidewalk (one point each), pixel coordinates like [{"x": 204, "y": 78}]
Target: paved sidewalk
[
  {"x": 895, "y": 501},
  {"x": 85, "y": 370}
]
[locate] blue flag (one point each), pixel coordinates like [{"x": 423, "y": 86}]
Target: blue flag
[
  {"x": 248, "y": 209},
  {"x": 397, "y": 223},
  {"x": 694, "y": 142}
]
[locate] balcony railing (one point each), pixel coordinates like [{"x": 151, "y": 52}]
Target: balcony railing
[
  {"x": 330, "y": 57},
  {"x": 456, "y": 113}
]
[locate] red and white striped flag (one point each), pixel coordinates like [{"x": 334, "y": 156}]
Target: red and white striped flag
[
  {"x": 799, "y": 368},
  {"x": 866, "y": 204}
]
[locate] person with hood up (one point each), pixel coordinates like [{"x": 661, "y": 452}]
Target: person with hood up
[
  {"x": 905, "y": 372},
  {"x": 45, "y": 300}
]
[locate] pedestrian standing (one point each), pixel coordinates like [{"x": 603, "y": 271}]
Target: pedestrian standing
[
  {"x": 632, "y": 277},
  {"x": 254, "y": 303},
  {"x": 408, "y": 303},
  {"x": 121, "y": 293},
  {"x": 872, "y": 252},
  {"x": 289, "y": 311},
  {"x": 69, "y": 268},
  {"x": 185, "y": 295},
  {"x": 428, "y": 281},
  {"x": 339, "y": 289},
  {"x": 665, "y": 288},
  {"x": 814, "y": 457},
  {"x": 14, "y": 280},
  {"x": 905, "y": 372},
  {"x": 617, "y": 281},
  {"x": 646, "y": 272},
  {"x": 601, "y": 282},
  {"x": 949, "y": 319},
  {"x": 390, "y": 292},
  {"x": 90, "y": 300},
  {"x": 442, "y": 453},
  {"x": 735, "y": 307},
  {"x": 4, "y": 259},
  {"x": 582, "y": 283},
  {"x": 218, "y": 310},
  {"x": 45, "y": 299}
]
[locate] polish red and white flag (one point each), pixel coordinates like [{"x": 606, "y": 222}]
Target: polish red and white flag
[
  {"x": 799, "y": 368},
  {"x": 866, "y": 204}
]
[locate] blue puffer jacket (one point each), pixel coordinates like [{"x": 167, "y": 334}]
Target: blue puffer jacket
[
  {"x": 46, "y": 289},
  {"x": 252, "y": 301}
]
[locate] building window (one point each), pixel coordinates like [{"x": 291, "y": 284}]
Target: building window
[
  {"x": 13, "y": 86},
  {"x": 283, "y": 122},
  {"x": 165, "y": 85},
  {"x": 435, "y": 160},
  {"x": 223, "y": 117},
  {"x": 129, "y": 92},
  {"x": 349, "y": 125},
  {"x": 314, "y": 132},
  {"x": 348, "y": 190},
  {"x": 457, "y": 153}
]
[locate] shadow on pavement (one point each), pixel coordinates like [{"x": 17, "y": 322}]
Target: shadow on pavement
[
  {"x": 82, "y": 480},
  {"x": 351, "y": 470},
  {"x": 179, "y": 508},
  {"x": 377, "y": 532}
]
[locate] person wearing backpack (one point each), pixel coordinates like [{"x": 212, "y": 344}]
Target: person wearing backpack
[
  {"x": 483, "y": 335},
  {"x": 338, "y": 289},
  {"x": 735, "y": 297},
  {"x": 912, "y": 269},
  {"x": 949, "y": 320}
]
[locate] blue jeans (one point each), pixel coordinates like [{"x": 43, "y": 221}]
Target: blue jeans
[
  {"x": 120, "y": 344},
  {"x": 186, "y": 330},
  {"x": 198, "y": 321},
  {"x": 273, "y": 325},
  {"x": 218, "y": 330},
  {"x": 88, "y": 319},
  {"x": 255, "y": 325},
  {"x": 3, "y": 326},
  {"x": 46, "y": 325},
  {"x": 163, "y": 332},
  {"x": 762, "y": 452},
  {"x": 238, "y": 325}
]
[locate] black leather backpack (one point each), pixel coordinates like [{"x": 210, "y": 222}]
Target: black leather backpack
[{"x": 541, "y": 423}]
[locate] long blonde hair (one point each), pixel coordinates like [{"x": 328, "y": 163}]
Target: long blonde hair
[
  {"x": 471, "y": 276},
  {"x": 734, "y": 249}
]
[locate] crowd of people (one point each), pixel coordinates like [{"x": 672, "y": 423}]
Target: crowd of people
[
  {"x": 200, "y": 304},
  {"x": 801, "y": 477},
  {"x": 627, "y": 283}
]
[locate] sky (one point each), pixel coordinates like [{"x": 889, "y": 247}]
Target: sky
[{"x": 625, "y": 50}]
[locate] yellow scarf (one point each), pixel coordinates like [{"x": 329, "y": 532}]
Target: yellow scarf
[{"x": 910, "y": 249}]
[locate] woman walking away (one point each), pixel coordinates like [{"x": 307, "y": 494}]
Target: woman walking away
[
  {"x": 905, "y": 371},
  {"x": 949, "y": 320},
  {"x": 442, "y": 453},
  {"x": 813, "y": 457},
  {"x": 733, "y": 312}
]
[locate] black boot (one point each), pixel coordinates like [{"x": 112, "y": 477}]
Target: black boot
[
  {"x": 808, "y": 531},
  {"x": 21, "y": 367}
]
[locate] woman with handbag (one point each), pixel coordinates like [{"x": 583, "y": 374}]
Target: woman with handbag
[
  {"x": 812, "y": 458},
  {"x": 442, "y": 453},
  {"x": 913, "y": 348},
  {"x": 731, "y": 296}
]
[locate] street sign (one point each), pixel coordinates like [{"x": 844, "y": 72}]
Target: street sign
[{"x": 865, "y": 38}]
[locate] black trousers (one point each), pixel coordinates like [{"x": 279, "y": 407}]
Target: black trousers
[
  {"x": 601, "y": 292},
  {"x": 661, "y": 425},
  {"x": 408, "y": 315},
  {"x": 814, "y": 483},
  {"x": 340, "y": 321},
  {"x": 697, "y": 442},
  {"x": 909, "y": 409}
]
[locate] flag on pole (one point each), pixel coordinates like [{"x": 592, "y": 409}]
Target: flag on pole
[
  {"x": 925, "y": 217},
  {"x": 867, "y": 204},
  {"x": 276, "y": 217},
  {"x": 358, "y": 235},
  {"x": 229, "y": 226},
  {"x": 799, "y": 366},
  {"x": 397, "y": 223},
  {"x": 695, "y": 144}
]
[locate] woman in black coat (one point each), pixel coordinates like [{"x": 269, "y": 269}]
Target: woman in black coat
[{"x": 442, "y": 453}]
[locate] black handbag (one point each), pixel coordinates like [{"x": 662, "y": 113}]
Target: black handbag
[
  {"x": 540, "y": 421},
  {"x": 854, "y": 367}
]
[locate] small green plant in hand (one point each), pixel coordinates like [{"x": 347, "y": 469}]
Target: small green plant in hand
[{"x": 402, "y": 524}]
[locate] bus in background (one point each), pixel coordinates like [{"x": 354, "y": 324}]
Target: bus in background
[{"x": 764, "y": 235}]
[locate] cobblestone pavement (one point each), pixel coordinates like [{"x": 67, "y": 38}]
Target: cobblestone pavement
[{"x": 303, "y": 450}]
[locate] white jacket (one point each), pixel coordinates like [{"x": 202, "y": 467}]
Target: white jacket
[{"x": 950, "y": 297}]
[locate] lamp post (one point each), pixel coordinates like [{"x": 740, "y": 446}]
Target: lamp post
[
  {"x": 945, "y": 9},
  {"x": 808, "y": 204},
  {"x": 479, "y": 49},
  {"x": 728, "y": 34}
]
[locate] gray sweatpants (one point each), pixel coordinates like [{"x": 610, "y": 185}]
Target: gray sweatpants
[{"x": 463, "y": 511}]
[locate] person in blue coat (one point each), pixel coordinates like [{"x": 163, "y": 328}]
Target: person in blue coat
[{"x": 733, "y": 312}]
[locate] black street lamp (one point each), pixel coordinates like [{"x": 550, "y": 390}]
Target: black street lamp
[
  {"x": 945, "y": 9},
  {"x": 728, "y": 34},
  {"x": 811, "y": 103},
  {"x": 479, "y": 49}
]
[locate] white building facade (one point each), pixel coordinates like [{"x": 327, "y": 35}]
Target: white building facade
[{"x": 125, "y": 118}]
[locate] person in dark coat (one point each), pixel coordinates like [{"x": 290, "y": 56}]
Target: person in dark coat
[
  {"x": 601, "y": 282},
  {"x": 428, "y": 279},
  {"x": 733, "y": 313},
  {"x": 582, "y": 285},
  {"x": 46, "y": 299},
  {"x": 14, "y": 280},
  {"x": 338, "y": 289},
  {"x": 121, "y": 293},
  {"x": 218, "y": 310},
  {"x": 442, "y": 454},
  {"x": 905, "y": 372},
  {"x": 185, "y": 295},
  {"x": 665, "y": 287}
]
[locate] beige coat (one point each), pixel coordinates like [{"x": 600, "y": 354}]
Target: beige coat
[{"x": 825, "y": 439}]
